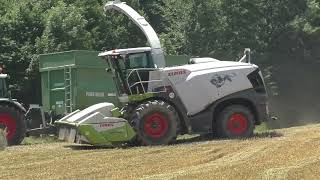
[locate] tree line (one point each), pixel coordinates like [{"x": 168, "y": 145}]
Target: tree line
[{"x": 217, "y": 28}]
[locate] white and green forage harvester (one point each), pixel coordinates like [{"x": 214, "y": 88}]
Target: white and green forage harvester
[{"x": 227, "y": 98}]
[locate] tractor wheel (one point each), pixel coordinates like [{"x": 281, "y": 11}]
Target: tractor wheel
[
  {"x": 13, "y": 121},
  {"x": 155, "y": 122},
  {"x": 235, "y": 121}
]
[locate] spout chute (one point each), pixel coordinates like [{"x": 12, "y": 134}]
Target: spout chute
[{"x": 157, "y": 52}]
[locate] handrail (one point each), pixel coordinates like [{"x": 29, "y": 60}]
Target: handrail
[{"x": 130, "y": 86}]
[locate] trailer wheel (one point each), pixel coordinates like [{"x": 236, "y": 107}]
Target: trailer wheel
[
  {"x": 155, "y": 122},
  {"x": 235, "y": 121},
  {"x": 13, "y": 121}
]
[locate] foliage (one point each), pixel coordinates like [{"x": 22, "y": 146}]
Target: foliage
[{"x": 219, "y": 28}]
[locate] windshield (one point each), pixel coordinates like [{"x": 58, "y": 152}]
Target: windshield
[
  {"x": 123, "y": 64},
  {"x": 135, "y": 61},
  {"x": 141, "y": 60}
]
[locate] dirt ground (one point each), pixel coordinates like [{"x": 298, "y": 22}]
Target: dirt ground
[{"x": 292, "y": 153}]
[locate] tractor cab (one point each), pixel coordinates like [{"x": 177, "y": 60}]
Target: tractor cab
[{"x": 130, "y": 69}]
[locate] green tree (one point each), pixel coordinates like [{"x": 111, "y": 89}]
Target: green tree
[
  {"x": 177, "y": 14},
  {"x": 64, "y": 30},
  {"x": 305, "y": 38},
  {"x": 20, "y": 24}
]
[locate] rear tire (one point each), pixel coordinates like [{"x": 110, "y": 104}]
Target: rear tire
[
  {"x": 13, "y": 120},
  {"x": 155, "y": 122},
  {"x": 235, "y": 121}
]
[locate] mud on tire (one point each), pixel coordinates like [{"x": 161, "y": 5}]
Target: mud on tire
[
  {"x": 13, "y": 121},
  {"x": 155, "y": 122}
]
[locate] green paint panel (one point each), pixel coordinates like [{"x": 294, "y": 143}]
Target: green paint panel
[
  {"x": 116, "y": 112},
  {"x": 92, "y": 135},
  {"x": 108, "y": 137},
  {"x": 90, "y": 83},
  {"x": 140, "y": 97}
]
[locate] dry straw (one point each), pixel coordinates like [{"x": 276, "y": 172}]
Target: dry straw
[{"x": 3, "y": 140}]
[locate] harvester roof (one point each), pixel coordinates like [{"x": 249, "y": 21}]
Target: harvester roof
[
  {"x": 125, "y": 51},
  {"x": 3, "y": 76}
]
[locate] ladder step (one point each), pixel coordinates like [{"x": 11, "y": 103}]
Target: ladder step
[{"x": 68, "y": 89}]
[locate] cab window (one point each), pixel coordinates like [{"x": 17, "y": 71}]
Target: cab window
[{"x": 140, "y": 60}]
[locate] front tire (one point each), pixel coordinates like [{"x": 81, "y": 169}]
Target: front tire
[
  {"x": 13, "y": 120},
  {"x": 155, "y": 122},
  {"x": 235, "y": 121}
]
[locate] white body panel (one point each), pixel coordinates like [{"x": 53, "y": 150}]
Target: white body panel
[
  {"x": 99, "y": 116},
  {"x": 102, "y": 110},
  {"x": 3, "y": 76},
  {"x": 199, "y": 85}
]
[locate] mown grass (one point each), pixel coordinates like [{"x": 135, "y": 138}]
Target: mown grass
[
  {"x": 292, "y": 155},
  {"x": 39, "y": 140},
  {"x": 261, "y": 128}
]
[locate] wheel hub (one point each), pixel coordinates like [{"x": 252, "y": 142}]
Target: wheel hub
[
  {"x": 237, "y": 123},
  {"x": 156, "y": 125},
  {"x": 8, "y": 123}
]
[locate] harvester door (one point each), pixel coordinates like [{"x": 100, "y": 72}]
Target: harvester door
[{"x": 138, "y": 68}]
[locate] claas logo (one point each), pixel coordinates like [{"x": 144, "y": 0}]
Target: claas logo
[
  {"x": 177, "y": 72},
  {"x": 106, "y": 125}
]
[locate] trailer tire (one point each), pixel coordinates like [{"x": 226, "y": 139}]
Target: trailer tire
[
  {"x": 13, "y": 120},
  {"x": 235, "y": 121},
  {"x": 155, "y": 122}
]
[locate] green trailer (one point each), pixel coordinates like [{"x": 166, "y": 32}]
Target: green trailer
[{"x": 77, "y": 79}]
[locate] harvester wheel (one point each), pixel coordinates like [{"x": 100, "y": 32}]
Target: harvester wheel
[
  {"x": 155, "y": 122},
  {"x": 235, "y": 121},
  {"x": 13, "y": 121}
]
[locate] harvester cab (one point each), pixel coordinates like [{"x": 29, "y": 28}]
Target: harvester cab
[
  {"x": 131, "y": 70},
  {"x": 159, "y": 103}
]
